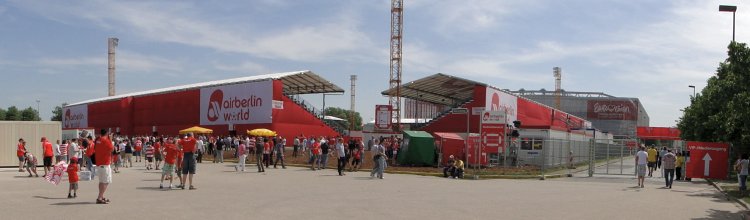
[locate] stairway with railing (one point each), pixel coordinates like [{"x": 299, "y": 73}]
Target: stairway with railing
[
  {"x": 444, "y": 113},
  {"x": 317, "y": 113}
]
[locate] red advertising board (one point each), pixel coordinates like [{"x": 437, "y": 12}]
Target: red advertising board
[
  {"x": 707, "y": 160},
  {"x": 383, "y": 117},
  {"x": 493, "y": 130},
  {"x": 612, "y": 110}
]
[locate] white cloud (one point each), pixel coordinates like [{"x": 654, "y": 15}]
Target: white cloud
[
  {"x": 246, "y": 67},
  {"x": 126, "y": 62},
  {"x": 457, "y": 17},
  {"x": 338, "y": 39}
]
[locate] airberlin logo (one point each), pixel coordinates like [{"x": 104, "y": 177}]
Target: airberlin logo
[
  {"x": 231, "y": 108},
  {"x": 72, "y": 119}
]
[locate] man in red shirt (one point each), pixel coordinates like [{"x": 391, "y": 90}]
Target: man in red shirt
[
  {"x": 20, "y": 151},
  {"x": 48, "y": 154},
  {"x": 103, "y": 158},
  {"x": 188, "y": 162}
]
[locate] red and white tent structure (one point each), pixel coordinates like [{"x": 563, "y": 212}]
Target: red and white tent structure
[{"x": 262, "y": 101}]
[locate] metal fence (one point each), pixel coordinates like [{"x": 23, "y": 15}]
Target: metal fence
[{"x": 546, "y": 156}]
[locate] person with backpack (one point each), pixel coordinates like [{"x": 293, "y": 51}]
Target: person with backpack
[
  {"x": 128, "y": 158},
  {"x": 219, "y": 152}
]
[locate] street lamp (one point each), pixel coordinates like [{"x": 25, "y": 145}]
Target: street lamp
[
  {"x": 37, "y": 109},
  {"x": 466, "y": 141},
  {"x": 692, "y": 86},
  {"x": 729, "y": 8}
]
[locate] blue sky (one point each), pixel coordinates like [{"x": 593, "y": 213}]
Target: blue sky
[{"x": 56, "y": 51}]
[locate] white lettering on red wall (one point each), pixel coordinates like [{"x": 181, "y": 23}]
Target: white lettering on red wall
[
  {"x": 245, "y": 103},
  {"x": 75, "y": 116}
]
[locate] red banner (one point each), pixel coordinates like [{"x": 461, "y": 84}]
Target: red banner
[
  {"x": 612, "y": 110},
  {"x": 58, "y": 170},
  {"x": 707, "y": 160}
]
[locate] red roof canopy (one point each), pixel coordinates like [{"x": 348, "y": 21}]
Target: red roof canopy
[{"x": 658, "y": 133}]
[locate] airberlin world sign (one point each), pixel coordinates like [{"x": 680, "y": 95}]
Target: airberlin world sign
[
  {"x": 246, "y": 103},
  {"x": 75, "y": 116}
]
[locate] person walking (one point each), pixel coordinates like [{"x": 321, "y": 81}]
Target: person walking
[
  {"x": 56, "y": 150},
  {"x": 325, "y": 151},
  {"x": 652, "y": 155},
  {"x": 170, "y": 158},
  {"x": 137, "y": 150},
  {"x": 219, "y": 152},
  {"x": 679, "y": 163},
  {"x": 279, "y": 151},
  {"x": 65, "y": 150},
  {"x": 158, "y": 153},
  {"x": 48, "y": 154},
  {"x": 641, "y": 160},
  {"x": 201, "y": 148},
  {"x": 668, "y": 163},
  {"x": 259, "y": 154},
  {"x": 73, "y": 150},
  {"x": 296, "y": 146},
  {"x": 315, "y": 152},
  {"x": 341, "y": 155},
  {"x": 90, "y": 154},
  {"x": 380, "y": 160},
  {"x": 188, "y": 162},
  {"x": 128, "y": 158},
  {"x": 242, "y": 156},
  {"x": 103, "y": 144},
  {"x": 742, "y": 170},
  {"x": 267, "y": 152},
  {"x": 20, "y": 153}
]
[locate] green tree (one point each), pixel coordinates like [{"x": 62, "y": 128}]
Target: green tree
[
  {"x": 30, "y": 114},
  {"x": 345, "y": 114},
  {"x": 57, "y": 113},
  {"x": 2, "y": 114},
  {"x": 12, "y": 114},
  {"x": 720, "y": 112}
]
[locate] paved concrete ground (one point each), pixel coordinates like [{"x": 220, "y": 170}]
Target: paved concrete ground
[{"x": 299, "y": 193}]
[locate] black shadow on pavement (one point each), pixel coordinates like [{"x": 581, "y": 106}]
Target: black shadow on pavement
[
  {"x": 152, "y": 188},
  {"x": 74, "y": 203},
  {"x": 720, "y": 214},
  {"x": 44, "y": 197}
]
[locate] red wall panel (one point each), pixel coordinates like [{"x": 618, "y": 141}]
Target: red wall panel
[
  {"x": 105, "y": 115},
  {"x": 457, "y": 122},
  {"x": 169, "y": 112}
]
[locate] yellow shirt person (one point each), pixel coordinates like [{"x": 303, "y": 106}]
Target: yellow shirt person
[{"x": 651, "y": 155}]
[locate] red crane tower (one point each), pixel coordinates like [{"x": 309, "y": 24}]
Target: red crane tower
[{"x": 397, "y": 26}]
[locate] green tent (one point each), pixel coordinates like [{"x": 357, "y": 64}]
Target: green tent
[{"x": 418, "y": 149}]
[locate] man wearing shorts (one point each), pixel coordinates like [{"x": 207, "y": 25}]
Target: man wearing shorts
[
  {"x": 188, "y": 162},
  {"x": 641, "y": 159},
  {"x": 103, "y": 159},
  {"x": 169, "y": 160},
  {"x": 48, "y": 154},
  {"x": 20, "y": 151}
]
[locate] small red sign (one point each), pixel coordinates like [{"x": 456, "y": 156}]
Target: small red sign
[{"x": 707, "y": 160}]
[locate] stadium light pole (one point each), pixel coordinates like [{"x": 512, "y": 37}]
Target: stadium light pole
[
  {"x": 729, "y": 8},
  {"x": 466, "y": 141},
  {"x": 692, "y": 86}
]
